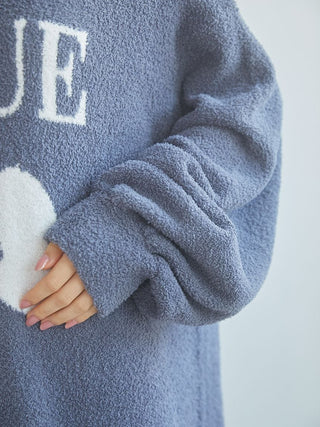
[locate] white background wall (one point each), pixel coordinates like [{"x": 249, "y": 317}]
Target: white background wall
[{"x": 270, "y": 351}]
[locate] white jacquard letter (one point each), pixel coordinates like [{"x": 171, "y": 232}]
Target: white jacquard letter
[
  {"x": 7, "y": 111},
  {"x": 50, "y": 71}
]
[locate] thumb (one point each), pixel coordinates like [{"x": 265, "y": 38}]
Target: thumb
[{"x": 49, "y": 257}]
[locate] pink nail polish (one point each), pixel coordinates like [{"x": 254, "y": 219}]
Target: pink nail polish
[
  {"x": 42, "y": 262},
  {"x": 46, "y": 325},
  {"x": 70, "y": 323},
  {"x": 24, "y": 303},
  {"x": 32, "y": 320}
]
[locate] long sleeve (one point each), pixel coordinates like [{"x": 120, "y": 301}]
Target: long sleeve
[{"x": 187, "y": 227}]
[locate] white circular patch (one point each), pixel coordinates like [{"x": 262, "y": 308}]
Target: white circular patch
[{"x": 26, "y": 212}]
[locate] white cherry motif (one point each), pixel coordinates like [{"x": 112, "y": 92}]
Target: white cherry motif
[{"x": 26, "y": 211}]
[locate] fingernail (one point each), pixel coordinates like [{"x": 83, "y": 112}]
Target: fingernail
[
  {"x": 70, "y": 324},
  {"x": 24, "y": 303},
  {"x": 42, "y": 262},
  {"x": 32, "y": 320},
  {"x": 46, "y": 325}
]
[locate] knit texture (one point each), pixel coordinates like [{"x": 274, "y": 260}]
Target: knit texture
[{"x": 143, "y": 138}]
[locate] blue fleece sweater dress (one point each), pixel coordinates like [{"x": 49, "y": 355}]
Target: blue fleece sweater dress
[{"x": 144, "y": 138}]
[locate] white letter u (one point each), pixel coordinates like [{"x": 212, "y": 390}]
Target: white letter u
[{"x": 6, "y": 111}]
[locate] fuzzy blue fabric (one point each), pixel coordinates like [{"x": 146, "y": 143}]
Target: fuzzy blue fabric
[{"x": 144, "y": 138}]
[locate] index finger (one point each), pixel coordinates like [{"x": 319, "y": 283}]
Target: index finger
[{"x": 60, "y": 273}]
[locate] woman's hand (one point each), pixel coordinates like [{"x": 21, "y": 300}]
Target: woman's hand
[{"x": 60, "y": 295}]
